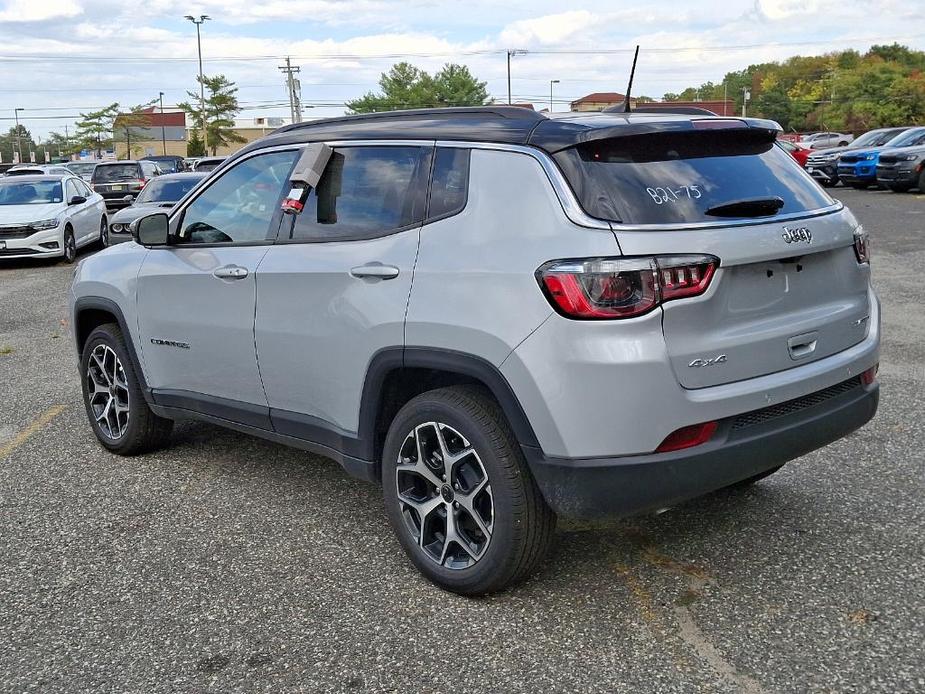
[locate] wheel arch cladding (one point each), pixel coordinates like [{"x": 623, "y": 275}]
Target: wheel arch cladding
[
  {"x": 395, "y": 376},
  {"x": 92, "y": 312}
]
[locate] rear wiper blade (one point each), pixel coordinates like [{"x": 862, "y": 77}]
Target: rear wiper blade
[{"x": 747, "y": 207}]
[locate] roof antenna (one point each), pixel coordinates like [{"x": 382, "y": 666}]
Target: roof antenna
[{"x": 629, "y": 87}]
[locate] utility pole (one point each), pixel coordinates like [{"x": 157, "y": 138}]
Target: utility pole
[
  {"x": 511, "y": 52},
  {"x": 746, "y": 95},
  {"x": 551, "y": 82},
  {"x": 18, "y": 138},
  {"x": 725, "y": 96},
  {"x": 202, "y": 85},
  {"x": 292, "y": 84},
  {"x": 160, "y": 95}
]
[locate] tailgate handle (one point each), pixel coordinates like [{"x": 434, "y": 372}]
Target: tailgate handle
[{"x": 802, "y": 346}]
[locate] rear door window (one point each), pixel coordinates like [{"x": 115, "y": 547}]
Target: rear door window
[
  {"x": 365, "y": 192},
  {"x": 680, "y": 178}
]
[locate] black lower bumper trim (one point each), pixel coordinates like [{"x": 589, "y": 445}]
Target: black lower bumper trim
[{"x": 589, "y": 488}]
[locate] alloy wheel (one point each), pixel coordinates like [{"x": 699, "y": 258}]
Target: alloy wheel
[
  {"x": 104, "y": 233},
  {"x": 107, "y": 392},
  {"x": 70, "y": 246},
  {"x": 445, "y": 495}
]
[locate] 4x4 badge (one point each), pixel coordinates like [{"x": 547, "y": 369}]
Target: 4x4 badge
[
  {"x": 699, "y": 363},
  {"x": 797, "y": 235}
]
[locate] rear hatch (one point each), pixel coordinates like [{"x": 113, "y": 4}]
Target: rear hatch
[
  {"x": 117, "y": 178},
  {"x": 789, "y": 289}
]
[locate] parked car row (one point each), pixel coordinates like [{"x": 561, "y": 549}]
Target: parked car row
[{"x": 891, "y": 158}]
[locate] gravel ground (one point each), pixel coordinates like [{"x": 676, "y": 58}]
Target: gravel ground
[{"x": 229, "y": 564}]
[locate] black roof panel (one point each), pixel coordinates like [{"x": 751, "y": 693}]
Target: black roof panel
[{"x": 499, "y": 124}]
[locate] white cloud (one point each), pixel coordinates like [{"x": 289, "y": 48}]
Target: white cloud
[
  {"x": 38, "y": 10},
  {"x": 550, "y": 29}
]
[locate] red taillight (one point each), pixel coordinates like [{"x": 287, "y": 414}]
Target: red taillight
[
  {"x": 608, "y": 288},
  {"x": 861, "y": 245},
  {"x": 687, "y": 437},
  {"x": 869, "y": 376}
]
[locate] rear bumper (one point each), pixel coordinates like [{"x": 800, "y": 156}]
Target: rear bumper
[{"x": 743, "y": 446}]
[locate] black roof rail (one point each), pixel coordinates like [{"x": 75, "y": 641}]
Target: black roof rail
[{"x": 449, "y": 112}]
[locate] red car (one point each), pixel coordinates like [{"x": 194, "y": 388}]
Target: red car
[{"x": 798, "y": 152}]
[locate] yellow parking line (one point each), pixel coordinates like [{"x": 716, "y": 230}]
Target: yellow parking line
[{"x": 24, "y": 435}]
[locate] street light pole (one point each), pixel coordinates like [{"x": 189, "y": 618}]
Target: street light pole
[
  {"x": 551, "y": 82},
  {"x": 18, "y": 138},
  {"x": 160, "y": 96},
  {"x": 202, "y": 86}
]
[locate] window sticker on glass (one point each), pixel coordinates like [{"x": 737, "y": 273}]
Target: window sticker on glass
[{"x": 661, "y": 195}]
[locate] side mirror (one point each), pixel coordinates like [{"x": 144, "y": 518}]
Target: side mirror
[
  {"x": 77, "y": 200},
  {"x": 129, "y": 199},
  {"x": 151, "y": 230}
]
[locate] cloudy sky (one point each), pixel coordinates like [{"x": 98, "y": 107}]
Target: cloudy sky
[{"x": 60, "y": 57}]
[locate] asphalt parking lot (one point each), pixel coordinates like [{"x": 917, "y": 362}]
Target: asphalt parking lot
[{"x": 225, "y": 563}]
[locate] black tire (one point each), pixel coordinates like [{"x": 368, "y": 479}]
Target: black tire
[
  {"x": 829, "y": 184},
  {"x": 521, "y": 523},
  {"x": 104, "y": 232},
  {"x": 921, "y": 183},
  {"x": 842, "y": 144},
  {"x": 860, "y": 186},
  {"x": 70, "y": 246},
  {"x": 749, "y": 481},
  {"x": 900, "y": 189},
  {"x": 143, "y": 431}
]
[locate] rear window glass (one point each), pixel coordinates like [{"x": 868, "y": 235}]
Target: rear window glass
[
  {"x": 166, "y": 190},
  {"x": 676, "y": 178},
  {"x": 115, "y": 172}
]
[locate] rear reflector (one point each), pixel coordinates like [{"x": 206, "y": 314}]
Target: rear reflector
[
  {"x": 869, "y": 376},
  {"x": 727, "y": 124},
  {"x": 687, "y": 437}
]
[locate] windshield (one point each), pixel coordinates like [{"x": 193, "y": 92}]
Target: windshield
[
  {"x": 30, "y": 193},
  {"x": 208, "y": 165},
  {"x": 875, "y": 138},
  {"x": 169, "y": 190},
  {"x": 915, "y": 136},
  {"x": 104, "y": 173},
  {"x": 676, "y": 178},
  {"x": 166, "y": 164}
]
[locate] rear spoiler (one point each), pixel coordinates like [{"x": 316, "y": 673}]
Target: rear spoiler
[{"x": 572, "y": 134}]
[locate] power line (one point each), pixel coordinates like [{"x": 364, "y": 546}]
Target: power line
[{"x": 46, "y": 58}]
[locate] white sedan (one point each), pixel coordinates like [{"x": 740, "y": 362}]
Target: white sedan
[{"x": 49, "y": 216}]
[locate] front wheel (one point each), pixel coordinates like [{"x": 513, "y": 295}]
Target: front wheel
[
  {"x": 104, "y": 232},
  {"x": 899, "y": 189},
  {"x": 459, "y": 495},
  {"x": 116, "y": 407},
  {"x": 70, "y": 246},
  {"x": 860, "y": 186}
]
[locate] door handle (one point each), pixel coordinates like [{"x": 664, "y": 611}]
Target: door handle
[
  {"x": 230, "y": 272},
  {"x": 375, "y": 270}
]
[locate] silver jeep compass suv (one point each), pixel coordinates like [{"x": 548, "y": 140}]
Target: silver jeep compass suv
[{"x": 497, "y": 315}]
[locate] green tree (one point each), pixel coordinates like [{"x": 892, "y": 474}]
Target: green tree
[
  {"x": 406, "y": 86},
  {"x": 221, "y": 107},
  {"x": 129, "y": 125},
  {"x": 195, "y": 147},
  {"x": 9, "y": 143},
  {"x": 94, "y": 129}
]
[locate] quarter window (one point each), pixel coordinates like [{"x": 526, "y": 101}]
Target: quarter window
[
  {"x": 365, "y": 192},
  {"x": 450, "y": 185},
  {"x": 241, "y": 206}
]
